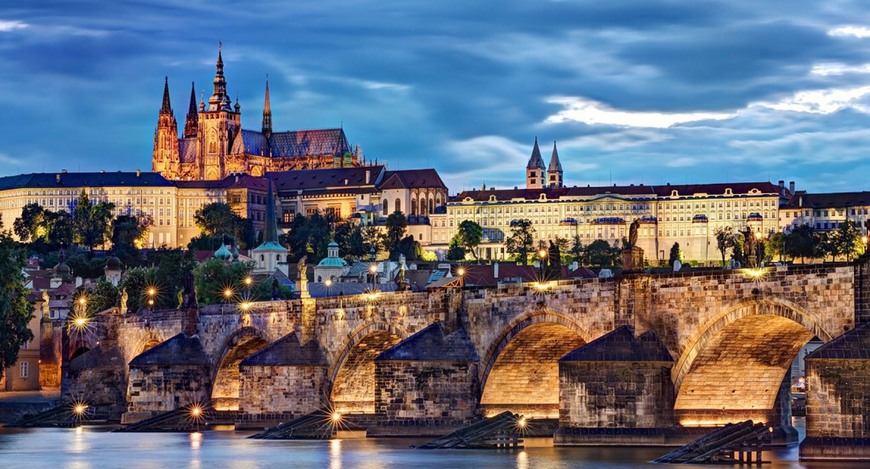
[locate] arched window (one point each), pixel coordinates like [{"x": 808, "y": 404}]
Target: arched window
[
  {"x": 398, "y": 205},
  {"x": 386, "y": 207},
  {"x": 413, "y": 206},
  {"x": 431, "y": 205}
]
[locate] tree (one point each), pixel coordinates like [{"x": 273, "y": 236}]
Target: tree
[
  {"x": 847, "y": 240},
  {"x": 15, "y": 311},
  {"x": 136, "y": 283},
  {"x": 100, "y": 297},
  {"x": 468, "y": 237},
  {"x": 27, "y": 226},
  {"x": 725, "y": 239},
  {"x": 577, "y": 249},
  {"x": 410, "y": 248},
  {"x": 214, "y": 276},
  {"x": 455, "y": 251},
  {"x": 309, "y": 236},
  {"x": 563, "y": 245},
  {"x": 600, "y": 253},
  {"x": 395, "y": 231},
  {"x": 775, "y": 246},
  {"x": 128, "y": 235},
  {"x": 91, "y": 222},
  {"x": 675, "y": 255},
  {"x": 521, "y": 240},
  {"x": 802, "y": 242},
  {"x": 218, "y": 218}
]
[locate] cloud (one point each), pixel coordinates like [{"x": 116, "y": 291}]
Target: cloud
[
  {"x": 11, "y": 25},
  {"x": 824, "y": 101},
  {"x": 837, "y": 69},
  {"x": 592, "y": 112},
  {"x": 859, "y": 32}
]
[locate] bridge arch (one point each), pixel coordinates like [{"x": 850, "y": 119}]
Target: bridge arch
[
  {"x": 734, "y": 365},
  {"x": 521, "y": 366},
  {"x": 150, "y": 339},
  {"x": 241, "y": 344},
  {"x": 351, "y": 387}
]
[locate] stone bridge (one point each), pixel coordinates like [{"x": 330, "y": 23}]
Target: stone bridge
[{"x": 633, "y": 352}]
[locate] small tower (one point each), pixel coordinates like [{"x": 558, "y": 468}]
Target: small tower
[
  {"x": 164, "y": 158},
  {"x": 113, "y": 270},
  {"x": 192, "y": 121},
  {"x": 267, "y": 114},
  {"x": 535, "y": 170},
  {"x": 270, "y": 255},
  {"x": 554, "y": 171},
  {"x": 218, "y": 125}
]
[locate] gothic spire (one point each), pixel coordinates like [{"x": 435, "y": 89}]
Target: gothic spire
[
  {"x": 271, "y": 225},
  {"x": 555, "y": 165},
  {"x": 190, "y": 126},
  {"x": 536, "y": 162},
  {"x": 219, "y": 99},
  {"x": 166, "y": 108},
  {"x": 267, "y": 113}
]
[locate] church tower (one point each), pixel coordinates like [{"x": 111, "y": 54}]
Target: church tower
[
  {"x": 267, "y": 114},
  {"x": 218, "y": 126},
  {"x": 192, "y": 121},
  {"x": 165, "y": 155},
  {"x": 535, "y": 170},
  {"x": 554, "y": 171}
]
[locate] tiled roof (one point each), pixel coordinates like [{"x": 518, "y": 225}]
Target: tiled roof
[
  {"x": 854, "y": 345},
  {"x": 828, "y": 200},
  {"x": 288, "y": 182},
  {"x": 631, "y": 190},
  {"x": 293, "y": 143},
  {"x": 535, "y": 161},
  {"x": 187, "y": 150},
  {"x": 99, "y": 179},
  {"x": 232, "y": 181},
  {"x": 621, "y": 345},
  {"x": 412, "y": 178}
]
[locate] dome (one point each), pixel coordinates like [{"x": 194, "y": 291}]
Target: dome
[
  {"x": 113, "y": 263},
  {"x": 223, "y": 252},
  {"x": 61, "y": 268}
]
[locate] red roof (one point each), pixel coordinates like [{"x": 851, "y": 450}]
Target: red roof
[{"x": 412, "y": 178}]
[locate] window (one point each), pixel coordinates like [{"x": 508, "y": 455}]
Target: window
[{"x": 23, "y": 370}]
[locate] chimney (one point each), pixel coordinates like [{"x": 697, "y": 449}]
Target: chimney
[
  {"x": 801, "y": 201},
  {"x": 57, "y": 177},
  {"x": 791, "y": 186},
  {"x": 368, "y": 175},
  {"x": 781, "y": 184},
  {"x": 495, "y": 270},
  {"x": 138, "y": 173}
]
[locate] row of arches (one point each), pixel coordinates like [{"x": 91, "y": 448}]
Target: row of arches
[{"x": 733, "y": 368}]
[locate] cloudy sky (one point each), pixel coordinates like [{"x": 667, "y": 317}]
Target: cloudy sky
[{"x": 634, "y": 91}]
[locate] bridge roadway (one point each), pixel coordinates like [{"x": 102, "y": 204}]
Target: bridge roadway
[{"x": 650, "y": 351}]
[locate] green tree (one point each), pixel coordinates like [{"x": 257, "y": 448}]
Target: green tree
[
  {"x": 802, "y": 242},
  {"x": 309, "y": 236},
  {"x": 214, "y": 276},
  {"x": 91, "y": 222},
  {"x": 577, "y": 250},
  {"x": 468, "y": 237},
  {"x": 136, "y": 283},
  {"x": 600, "y": 253},
  {"x": 395, "y": 231},
  {"x": 847, "y": 240},
  {"x": 725, "y": 239},
  {"x": 218, "y": 218},
  {"x": 675, "y": 255},
  {"x": 27, "y": 227},
  {"x": 775, "y": 246},
  {"x": 564, "y": 249},
  {"x": 410, "y": 248},
  {"x": 100, "y": 297},
  {"x": 15, "y": 311},
  {"x": 455, "y": 251},
  {"x": 521, "y": 241}
]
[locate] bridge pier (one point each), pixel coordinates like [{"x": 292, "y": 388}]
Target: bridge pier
[{"x": 838, "y": 399}]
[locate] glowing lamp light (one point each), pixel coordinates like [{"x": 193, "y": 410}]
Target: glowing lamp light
[
  {"x": 82, "y": 300},
  {"x": 80, "y": 322},
  {"x": 152, "y": 291},
  {"x": 336, "y": 417},
  {"x": 80, "y": 409},
  {"x": 373, "y": 268},
  {"x": 542, "y": 253},
  {"x": 228, "y": 293},
  {"x": 196, "y": 411},
  {"x": 460, "y": 271},
  {"x": 328, "y": 282},
  {"x": 522, "y": 422},
  {"x": 248, "y": 281},
  {"x": 245, "y": 305},
  {"x": 150, "y": 302}
]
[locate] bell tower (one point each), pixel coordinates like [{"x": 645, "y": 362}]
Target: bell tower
[
  {"x": 164, "y": 158},
  {"x": 219, "y": 124}
]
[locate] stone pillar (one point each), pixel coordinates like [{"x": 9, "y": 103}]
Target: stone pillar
[
  {"x": 862, "y": 290},
  {"x": 618, "y": 382},
  {"x": 838, "y": 399},
  {"x": 632, "y": 258}
]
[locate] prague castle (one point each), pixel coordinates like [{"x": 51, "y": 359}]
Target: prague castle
[{"x": 214, "y": 145}]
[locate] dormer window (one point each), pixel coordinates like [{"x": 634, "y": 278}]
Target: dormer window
[{"x": 728, "y": 191}]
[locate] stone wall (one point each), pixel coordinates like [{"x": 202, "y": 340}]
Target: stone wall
[
  {"x": 426, "y": 390},
  {"x": 154, "y": 389},
  {"x": 292, "y": 390},
  {"x": 838, "y": 401}
]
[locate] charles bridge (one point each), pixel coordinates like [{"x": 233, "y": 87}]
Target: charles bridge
[{"x": 637, "y": 355}]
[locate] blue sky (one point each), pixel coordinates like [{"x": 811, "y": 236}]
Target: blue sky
[{"x": 636, "y": 91}]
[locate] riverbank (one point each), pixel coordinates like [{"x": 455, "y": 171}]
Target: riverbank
[{"x": 16, "y": 404}]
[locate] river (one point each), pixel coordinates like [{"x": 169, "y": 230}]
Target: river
[{"x": 97, "y": 448}]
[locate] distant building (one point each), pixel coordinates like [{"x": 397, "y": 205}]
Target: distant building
[
  {"x": 825, "y": 211},
  {"x": 688, "y": 214},
  {"x": 213, "y": 144},
  {"x": 23, "y": 375}
]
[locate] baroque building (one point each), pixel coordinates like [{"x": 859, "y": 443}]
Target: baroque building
[{"x": 213, "y": 144}]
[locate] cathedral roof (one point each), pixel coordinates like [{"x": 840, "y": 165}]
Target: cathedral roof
[
  {"x": 187, "y": 149},
  {"x": 295, "y": 143},
  {"x": 100, "y": 179},
  {"x": 535, "y": 161},
  {"x": 350, "y": 179},
  {"x": 412, "y": 178}
]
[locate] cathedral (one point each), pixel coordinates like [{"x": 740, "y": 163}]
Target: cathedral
[{"x": 214, "y": 144}]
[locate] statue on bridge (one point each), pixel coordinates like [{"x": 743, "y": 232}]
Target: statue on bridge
[
  {"x": 188, "y": 299},
  {"x": 632, "y": 255},
  {"x": 124, "y": 297}
]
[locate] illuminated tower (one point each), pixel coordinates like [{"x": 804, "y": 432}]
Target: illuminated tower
[
  {"x": 554, "y": 171},
  {"x": 165, "y": 156},
  {"x": 535, "y": 170},
  {"x": 218, "y": 126}
]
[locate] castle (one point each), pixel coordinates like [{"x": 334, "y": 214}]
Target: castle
[{"x": 214, "y": 145}]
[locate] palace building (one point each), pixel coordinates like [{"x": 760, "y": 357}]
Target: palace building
[{"x": 213, "y": 143}]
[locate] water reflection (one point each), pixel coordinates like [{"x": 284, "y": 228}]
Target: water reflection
[
  {"x": 522, "y": 460},
  {"x": 334, "y": 454}
]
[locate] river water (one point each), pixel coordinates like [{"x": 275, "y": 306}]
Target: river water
[{"x": 96, "y": 447}]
